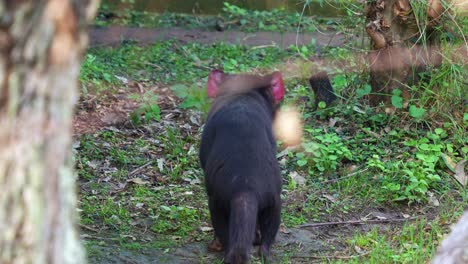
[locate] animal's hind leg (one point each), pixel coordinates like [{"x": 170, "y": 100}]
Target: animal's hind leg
[
  {"x": 258, "y": 236},
  {"x": 269, "y": 222},
  {"x": 219, "y": 220}
]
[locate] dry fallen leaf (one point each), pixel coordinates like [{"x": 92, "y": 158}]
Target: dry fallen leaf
[
  {"x": 138, "y": 181},
  {"x": 297, "y": 178},
  {"x": 449, "y": 162},
  {"x": 206, "y": 228},
  {"x": 460, "y": 173},
  {"x": 161, "y": 164},
  {"x": 358, "y": 249},
  {"x": 433, "y": 199},
  {"x": 93, "y": 164},
  {"x": 330, "y": 198},
  {"x": 332, "y": 122},
  {"x": 283, "y": 230}
]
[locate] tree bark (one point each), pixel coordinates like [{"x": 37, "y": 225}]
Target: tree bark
[
  {"x": 405, "y": 42},
  {"x": 454, "y": 248},
  {"x": 41, "y": 45}
]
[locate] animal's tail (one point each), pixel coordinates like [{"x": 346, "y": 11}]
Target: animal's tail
[{"x": 242, "y": 227}]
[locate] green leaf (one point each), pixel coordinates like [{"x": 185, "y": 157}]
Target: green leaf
[
  {"x": 396, "y": 92},
  {"x": 449, "y": 148},
  {"x": 424, "y": 146},
  {"x": 107, "y": 77},
  {"x": 189, "y": 104},
  {"x": 439, "y": 131},
  {"x": 180, "y": 90},
  {"x": 416, "y": 112},
  {"x": 464, "y": 150},
  {"x": 339, "y": 81},
  {"x": 165, "y": 208},
  {"x": 362, "y": 92},
  {"x": 301, "y": 162},
  {"x": 397, "y": 100}
]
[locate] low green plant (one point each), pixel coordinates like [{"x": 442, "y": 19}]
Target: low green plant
[
  {"x": 95, "y": 72},
  {"x": 235, "y": 17},
  {"x": 148, "y": 110},
  {"x": 271, "y": 20},
  {"x": 176, "y": 220},
  {"x": 396, "y": 99},
  {"x": 193, "y": 97},
  {"x": 187, "y": 62},
  {"x": 177, "y": 150},
  {"x": 110, "y": 212},
  {"x": 417, "y": 171},
  {"x": 325, "y": 151}
]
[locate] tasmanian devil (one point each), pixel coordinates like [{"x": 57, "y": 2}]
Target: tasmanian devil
[{"x": 238, "y": 156}]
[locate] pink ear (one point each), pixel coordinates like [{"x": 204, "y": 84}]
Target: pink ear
[
  {"x": 277, "y": 86},
  {"x": 214, "y": 80}
]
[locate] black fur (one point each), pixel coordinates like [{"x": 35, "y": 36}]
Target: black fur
[{"x": 242, "y": 176}]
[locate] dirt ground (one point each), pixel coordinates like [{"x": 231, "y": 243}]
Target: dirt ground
[
  {"x": 303, "y": 245},
  {"x": 113, "y": 35}
]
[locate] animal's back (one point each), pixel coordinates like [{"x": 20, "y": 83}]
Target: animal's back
[{"x": 238, "y": 142}]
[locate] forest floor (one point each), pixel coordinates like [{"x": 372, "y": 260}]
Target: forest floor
[
  {"x": 95, "y": 114},
  {"x": 141, "y": 194},
  {"x": 298, "y": 245}
]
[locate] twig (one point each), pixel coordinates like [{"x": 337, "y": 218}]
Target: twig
[
  {"x": 88, "y": 228},
  {"x": 264, "y": 46},
  {"x": 333, "y": 257},
  {"x": 360, "y": 222},
  {"x": 372, "y": 133},
  {"x": 84, "y": 236},
  {"x": 345, "y": 177},
  {"x": 152, "y": 64},
  {"x": 202, "y": 66},
  {"x": 133, "y": 172}
]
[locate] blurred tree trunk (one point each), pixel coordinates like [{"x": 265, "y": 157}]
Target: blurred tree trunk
[
  {"x": 454, "y": 248},
  {"x": 405, "y": 42},
  {"x": 41, "y": 44}
]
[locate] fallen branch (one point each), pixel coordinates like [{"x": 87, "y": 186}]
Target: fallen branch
[
  {"x": 273, "y": 45},
  {"x": 333, "y": 257},
  {"x": 135, "y": 171},
  {"x": 88, "y": 228},
  {"x": 361, "y": 222}
]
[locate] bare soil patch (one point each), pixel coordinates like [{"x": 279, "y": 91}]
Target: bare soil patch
[{"x": 114, "y": 35}]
